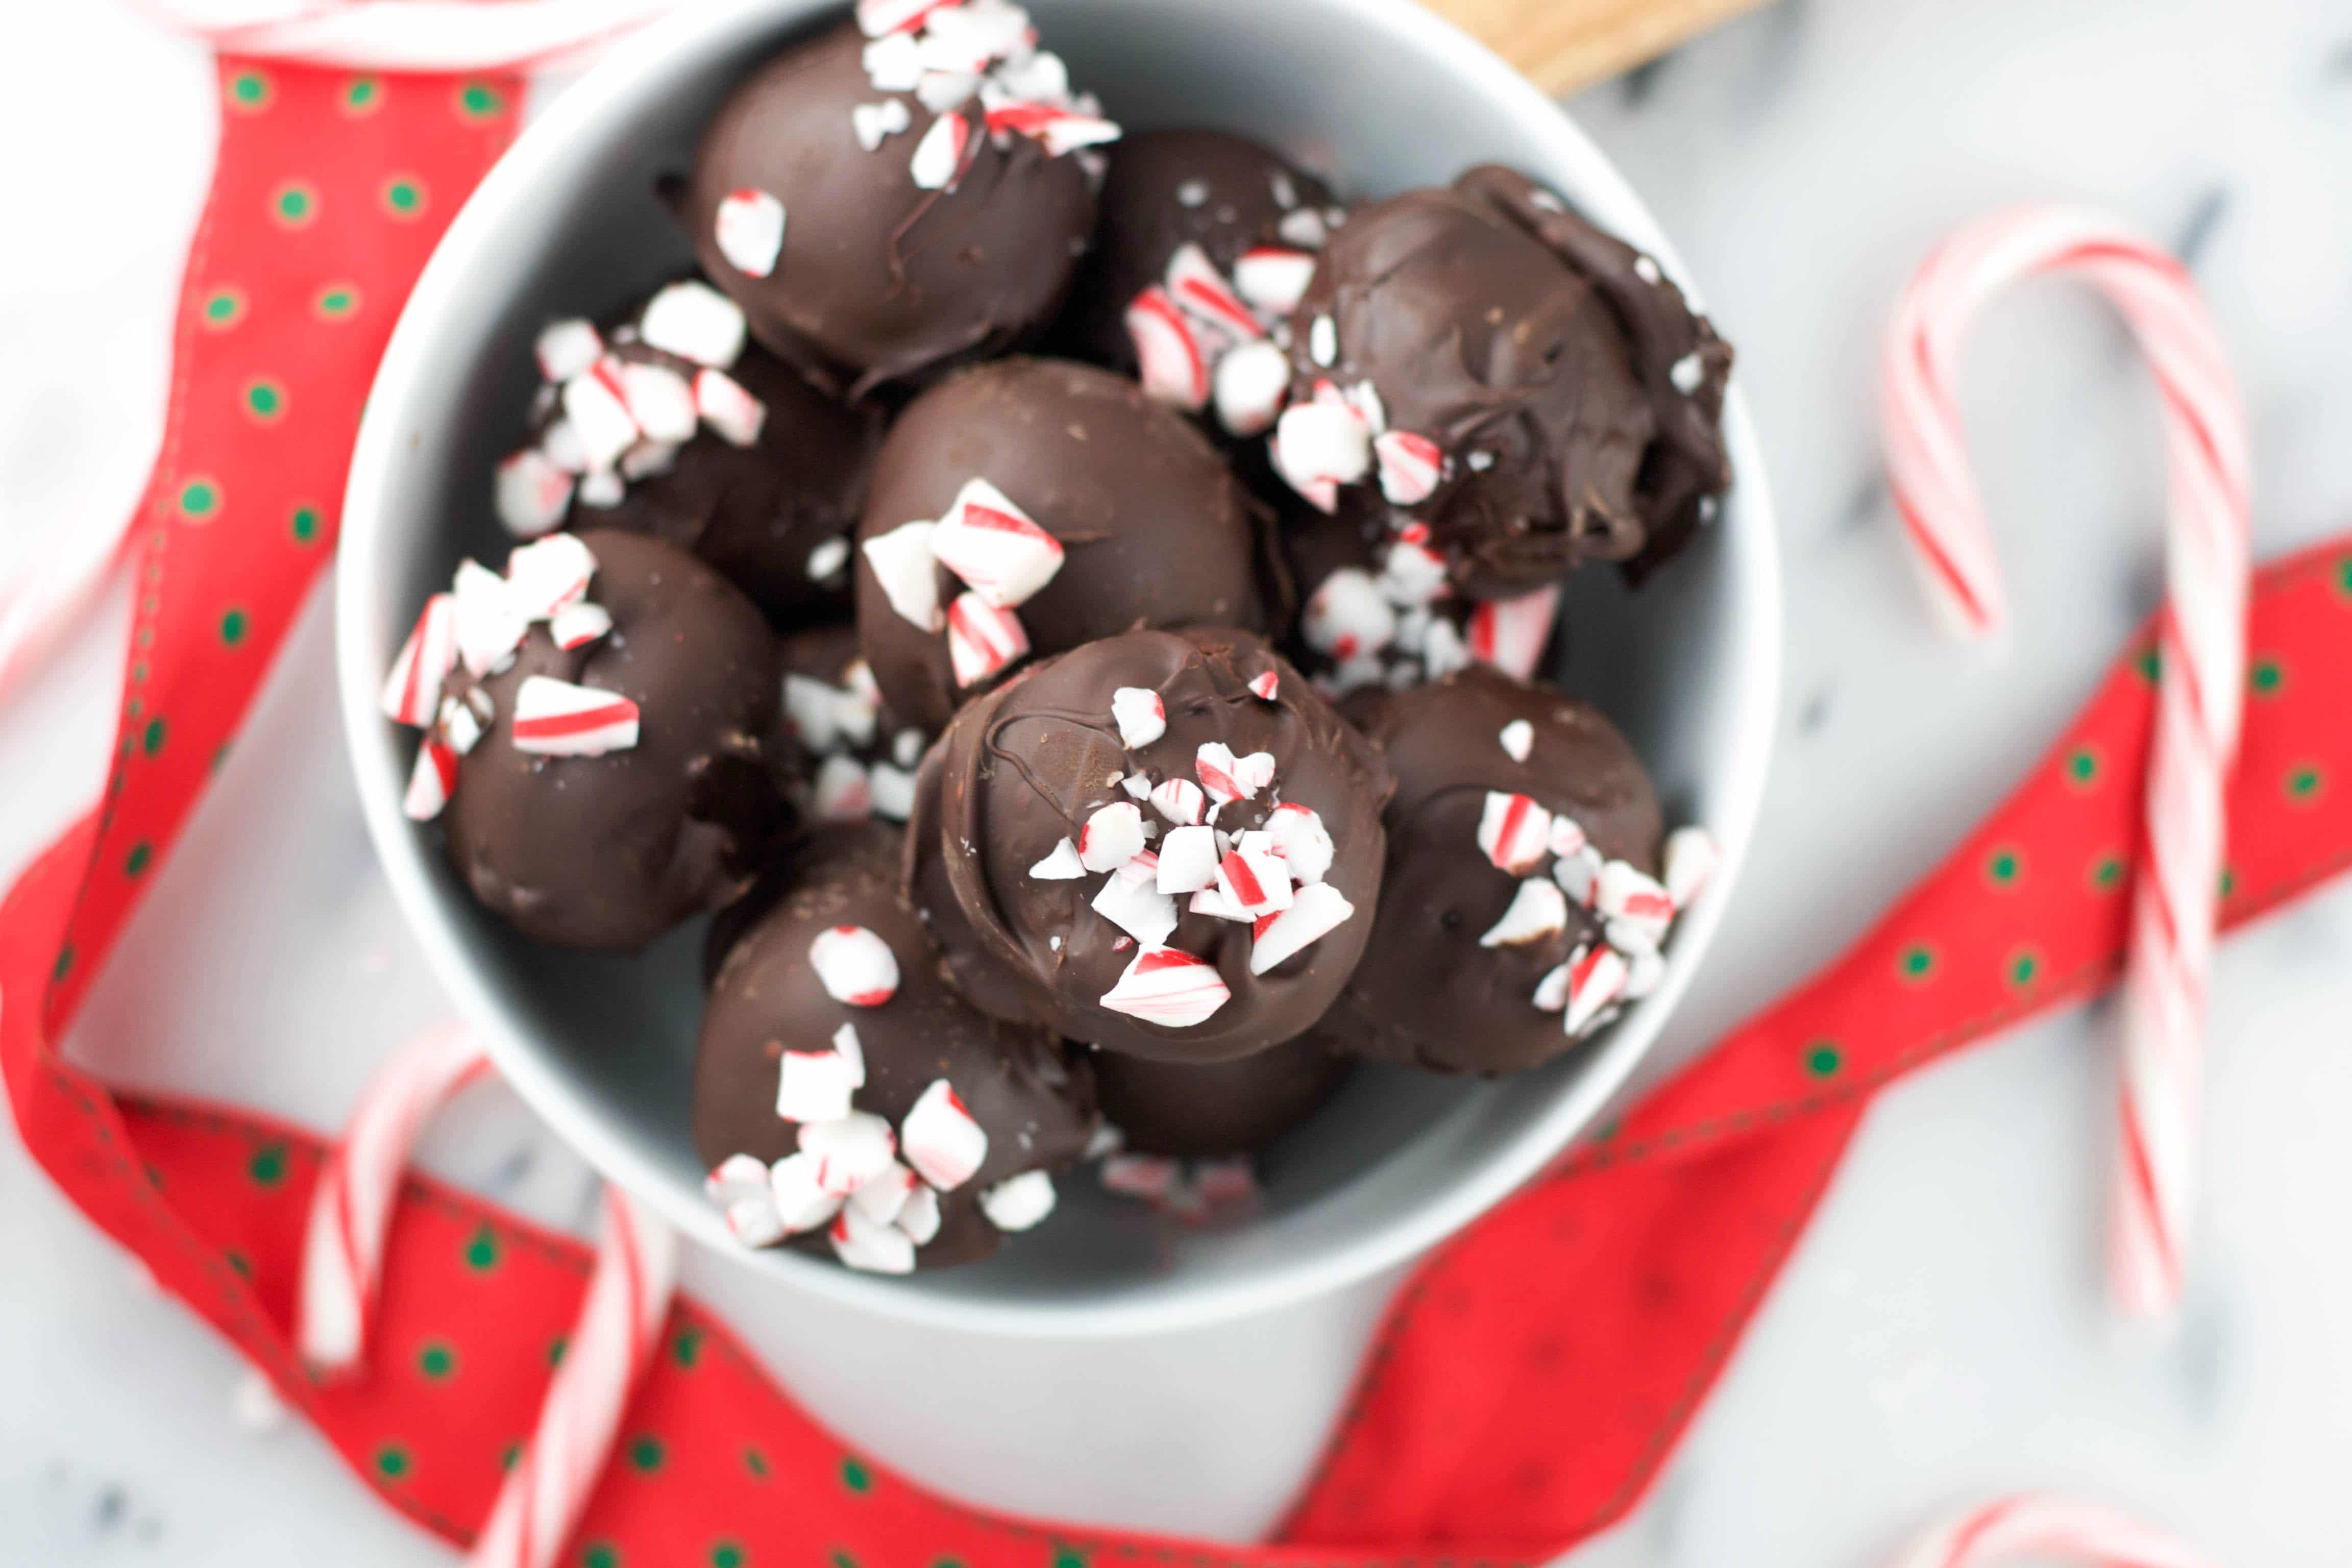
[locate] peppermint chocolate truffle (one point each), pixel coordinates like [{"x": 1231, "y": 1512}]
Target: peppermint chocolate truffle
[
  {"x": 669, "y": 422},
  {"x": 1520, "y": 903},
  {"x": 859, "y": 759},
  {"x": 880, "y": 209},
  {"x": 1165, "y": 190},
  {"x": 844, "y": 1094},
  {"x": 1223, "y": 1108},
  {"x": 1022, "y": 508},
  {"x": 1481, "y": 361},
  {"x": 1163, "y": 843},
  {"x": 613, "y": 777}
]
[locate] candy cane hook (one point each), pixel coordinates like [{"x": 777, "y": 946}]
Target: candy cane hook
[
  {"x": 2202, "y": 638},
  {"x": 2033, "y": 1526}
]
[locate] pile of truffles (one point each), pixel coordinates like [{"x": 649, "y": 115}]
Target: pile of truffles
[{"x": 1070, "y": 603}]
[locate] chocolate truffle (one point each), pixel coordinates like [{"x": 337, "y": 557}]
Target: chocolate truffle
[
  {"x": 1167, "y": 189},
  {"x": 1221, "y": 1108},
  {"x": 873, "y": 222},
  {"x": 859, "y": 759},
  {"x": 609, "y": 851},
  {"x": 775, "y": 993},
  {"x": 1163, "y": 843},
  {"x": 1144, "y": 526},
  {"x": 748, "y": 465},
  {"x": 1470, "y": 965},
  {"x": 1481, "y": 361}
]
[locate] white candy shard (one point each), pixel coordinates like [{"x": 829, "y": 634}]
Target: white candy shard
[
  {"x": 660, "y": 400},
  {"x": 1111, "y": 837},
  {"x": 1519, "y": 737},
  {"x": 1538, "y": 911},
  {"x": 1136, "y": 905},
  {"x": 1686, "y": 373},
  {"x": 1513, "y": 831},
  {"x": 920, "y": 1216},
  {"x": 548, "y": 575},
  {"x": 1692, "y": 855},
  {"x": 873, "y": 1248},
  {"x": 890, "y": 792},
  {"x": 577, "y": 626},
  {"x": 1511, "y": 634},
  {"x": 1410, "y": 465},
  {"x": 1626, "y": 894},
  {"x": 1644, "y": 973},
  {"x": 732, "y": 412},
  {"x": 995, "y": 546},
  {"x": 1317, "y": 909},
  {"x": 1552, "y": 991},
  {"x": 1179, "y": 800},
  {"x": 694, "y": 322},
  {"x": 602, "y": 489},
  {"x": 1323, "y": 341},
  {"x": 566, "y": 348},
  {"x": 874, "y": 123},
  {"x": 431, "y": 781},
  {"x": 1020, "y": 1202},
  {"x": 412, "y": 692},
  {"x": 1227, "y": 777},
  {"x": 907, "y": 574},
  {"x": 883, "y": 1198},
  {"x": 1412, "y": 574},
  {"x": 597, "y": 409},
  {"x": 1188, "y": 861},
  {"x": 1265, "y": 686},
  {"x": 1347, "y": 616},
  {"x": 1254, "y": 880},
  {"x": 841, "y": 792},
  {"x": 1596, "y": 978},
  {"x": 983, "y": 640},
  {"x": 1274, "y": 279},
  {"x": 1140, "y": 714},
  {"x": 531, "y": 493},
  {"x": 488, "y": 623},
  {"x": 1170, "y": 360},
  {"x": 556, "y": 719},
  {"x": 854, "y": 965},
  {"x": 1298, "y": 836},
  {"x": 1251, "y": 383},
  {"x": 1578, "y": 872},
  {"x": 1060, "y": 865},
  {"x": 1193, "y": 281},
  {"x": 1317, "y": 445},
  {"x": 938, "y": 161},
  {"x": 797, "y": 1191},
  {"x": 1168, "y": 987},
  {"x": 850, "y": 1151},
  {"x": 1567, "y": 834},
  {"x": 845, "y": 1043},
  {"x": 749, "y": 229},
  {"x": 942, "y": 1141},
  {"x": 815, "y": 1086}
]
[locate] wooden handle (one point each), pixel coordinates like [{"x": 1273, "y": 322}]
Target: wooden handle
[{"x": 1567, "y": 44}]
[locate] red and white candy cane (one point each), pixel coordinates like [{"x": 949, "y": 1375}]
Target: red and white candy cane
[
  {"x": 610, "y": 1346},
  {"x": 2034, "y": 1526},
  {"x": 2203, "y": 638}
]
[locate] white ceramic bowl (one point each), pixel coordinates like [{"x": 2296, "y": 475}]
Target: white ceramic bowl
[{"x": 1379, "y": 93}]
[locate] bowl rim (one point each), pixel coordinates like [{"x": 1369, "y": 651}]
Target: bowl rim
[{"x": 1272, "y": 1282}]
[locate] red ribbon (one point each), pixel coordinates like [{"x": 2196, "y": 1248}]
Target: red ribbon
[{"x": 1530, "y": 1380}]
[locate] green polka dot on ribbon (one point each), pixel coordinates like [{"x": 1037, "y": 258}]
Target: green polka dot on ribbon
[
  {"x": 598, "y": 1554},
  {"x": 1823, "y": 1059},
  {"x": 268, "y": 1166},
  {"x": 403, "y": 196},
  {"x": 265, "y": 400},
  {"x": 362, "y": 95},
  {"x": 645, "y": 1453},
  {"x": 2106, "y": 872},
  {"x": 437, "y": 1362},
  {"x": 199, "y": 498},
  {"x": 1917, "y": 962},
  {"x": 249, "y": 91},
  {"x": 482, "y": 1249},
  {"x": 855, "y": 1476},
  {"x": 2005, "y": 867},
  {"x": 392, "y": 1462},
  {"x": 2266, "y": 677},
  {"x": 221, "y": 309},
  {"x": 2024, "y": 967},
  {"x": 2083, "y": 766},
  {"x": 336, "y": 302},
  {"x": 152, "y": 738},
  {"x": 727, "y": 1554},
  {"x": 480, "y": 100},
  {"x": 141, "y": 855},
  {"x": 304, "y": 522},
  {"x": 234, "y": 624},
  {"x": 294, "y": 204},
  {"x": 2305, "y": 782}
]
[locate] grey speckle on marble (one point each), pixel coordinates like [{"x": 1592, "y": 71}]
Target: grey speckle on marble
[{"x": 1941, "y": 1331}]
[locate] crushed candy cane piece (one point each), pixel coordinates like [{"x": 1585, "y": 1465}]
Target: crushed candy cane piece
[
  {"x": 850, "y": 1151},
  {"x": 942, "y": 1141},
  {"x": 598, "y": 414},
  {"x": 1626, "y": 893},
  {"x": 649, "y": 458},
  {"x": 1251, "y": 383},
  {"x": 694, "y": 322},
  {"x": 854, "y": 965},
  {"x": 548, "y": 575},
  {"x": 890, "y": 791},
  {"x": 1567, "y": 833},
  {"x": 1060, "y": 865},
  {"x": 1140, "y": 714},
  {"x": 869, "y": 1246},
  {"x": 1321, "y": 444},
  {"x": 874, "y": 123},
  {"x": 1136, "y": 906},
  {"x": 938, "y": 162},
  {"x": 841, "y": 792},
  {"x": 796, "y": 1189},
  {"x": 908, "y": 575},
  {"x": 1170, "y": 987},
  {"x": 556, "y": 719},
  {"x": 1578, "y": 872},
  {"x": 1111, "y": 837},
  {"x": 995, "y": 546},
  {"x": 815, "y": 1086},
  {"x": 1552, "y": 991},
  {"x": 1179, "y": 800},
  {"x": 1347, "y": 616},
  {"x": 1228, "y": 777},
  {"x": 577, "y": 626},
  {"x": 1145, "y": 1176},
  {"x": 1171, "y": 361},
  {"x": 1298, "y": 836},
  {"x": 488, "y": 624},
  {"x": 1596, "y": 977},
  {"x": 732, "y": 412},
  {"x": 1226, "y": 1182},
  {"x": 1212, "y": 901},
  {"x": 1188, "y": 861},
  {"x": 1193, "y": 281},
  {"x": 1304, "y": 228},
  {"x": 1256, "y": 881},
  {"x": 1538, "y": 911},
  {"x": 1266, "y": 685},
  {"x": 920, "y": 1215},
  {"x": 1019, "y": 1202},
  {"x": 1511, "y": 634},
  {"x": 1687, "y": 373},
  {"x": 1513, "y": 831},
  {"x": 532, "y": 492},
  {"x": 828, "y": 560},
  {"x": 600, "y": 489},
  {"x": 1645, "y": 971},
  {"x": 1518, "y": 739},
  {"x": 1411, "y": 466},
  {"x": 431, "y": 782},
  {"x": 749, "y": 229},
  {"x": 566, "y": 348},
  {"x": 1323, "y": 341},
  {"x": 983, "y": 640},
  {"x": 883, "y": 1198},
  {"x": 1691, "y": 858},
  {"x": 412, "y": 692},
  {"x": 735, "y": 1179},
  {"x": 458, "y": 726},
  {"x": 1274, "y": 279},
  {"x": 844, "y": 1043},
  {"x": 660, "y": 400},
  {"x": 1412, "y": 575},
  {"x": 1316, "y": 909}
]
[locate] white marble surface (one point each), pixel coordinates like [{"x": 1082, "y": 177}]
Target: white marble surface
[{"x": 1941, "y": 1331}]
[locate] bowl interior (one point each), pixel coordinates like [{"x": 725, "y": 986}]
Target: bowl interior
[{"x": 1374, "y": 92}]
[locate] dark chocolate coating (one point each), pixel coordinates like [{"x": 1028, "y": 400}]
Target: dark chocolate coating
[
  {"x": 1157, "y": 531},
  {"x": 755, "y": 513},
  {"x": 1025, "y": 766},
  {"x": 1426, "y": 993},
  {"x": 1145, "y": 217},
  {"x": 609, "y": 852},
  {"x": 1223, "y": 1108},
  {"x": 1495, "y": 325},
  {"x": 1035, "y": 1099},
  {"x": 879, "y": 281}
]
